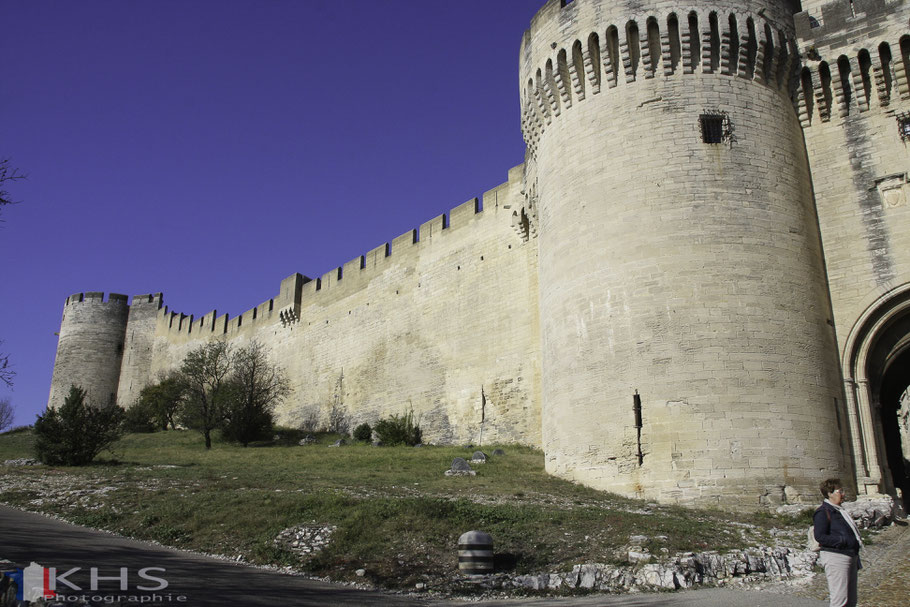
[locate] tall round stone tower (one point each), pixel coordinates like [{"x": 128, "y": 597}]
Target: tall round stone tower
[
  {"x": 688, "y": 352},
  {"x": 90, "y": 348}
]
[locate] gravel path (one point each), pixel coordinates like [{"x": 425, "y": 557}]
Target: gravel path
[{"x": 884, "y": 580}]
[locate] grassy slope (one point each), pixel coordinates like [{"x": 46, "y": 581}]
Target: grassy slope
[{"x": 397, "y": 515}]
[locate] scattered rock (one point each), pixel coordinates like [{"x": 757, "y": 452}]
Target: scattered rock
[
  {"x": 669, "y": 573},
  {"x": 636, "y": 556},
  {"x": 795, "y": 509},
  {"x": 360, "y": 572},
  {"x": 309, "y": 439},
  {"x": 460, "y": 473},
  {"x": 340, "y": 442},
  {"x": 479, "y": 457},
  {"x": 871, "y": 512},
  {"x": 21, "y": 462},
  {"x": 420, "y": 586},
  {"x": 418, "y": 445},
  {"x": 459, "y": 463},
  {"x": 638, "y": 540},
  {"x": 498, "y": 452},
  {"x": 377, "y": 443},
  {"x": 305, "y": 540},
  {"x": 460, "y": 468}
]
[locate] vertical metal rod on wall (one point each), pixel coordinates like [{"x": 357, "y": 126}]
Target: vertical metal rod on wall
[{"x": 636, "y": 407}]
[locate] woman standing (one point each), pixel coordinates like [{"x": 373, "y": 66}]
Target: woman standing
[{"x": 839, "y": 542}]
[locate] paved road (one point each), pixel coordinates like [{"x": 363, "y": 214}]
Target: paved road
[
  {"x": 205, "y": 582},
  {"x": 26, "y": 538}
]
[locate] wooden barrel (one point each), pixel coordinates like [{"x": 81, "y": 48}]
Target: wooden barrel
[{"x": 475, "y": 553}]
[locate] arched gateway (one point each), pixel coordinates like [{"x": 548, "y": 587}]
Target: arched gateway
[{"x": 876, "y": 375}]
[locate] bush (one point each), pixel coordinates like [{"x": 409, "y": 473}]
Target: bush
[
  {"x": 309, "y": 419},
  {"x": 398, "y": 430},
  {"x": 338, "y": 420},
  {"x": 255, "y": 388},
  {"x": 73, "y": 434},
  {"x": 157, "y": 405},
  {"x": 138, "y": 419},
  {"x": 363, "y": 432}
]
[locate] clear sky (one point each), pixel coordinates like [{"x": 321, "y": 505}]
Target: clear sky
[{"x": 209, "y": 148}]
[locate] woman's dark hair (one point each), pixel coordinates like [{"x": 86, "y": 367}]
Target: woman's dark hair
[{"x": 828, "y": 486}]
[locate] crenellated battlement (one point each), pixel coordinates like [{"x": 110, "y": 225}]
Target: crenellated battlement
[
  {"x": 633, "y": 47},
  {"x": 854, "y": 59},
  {"x": 830, "y": 20},
  {"x": 97, "y": 297},
  {"x": 149, "y": 299},
  {"x": 299, "y": 291}
]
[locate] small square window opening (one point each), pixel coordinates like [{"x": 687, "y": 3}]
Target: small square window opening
[
  {"x": 712, "y": 128},
  {"x": 903, "y": 125}
]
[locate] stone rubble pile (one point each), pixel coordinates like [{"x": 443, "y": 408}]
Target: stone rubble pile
[
  {"x": 305, "y": 540},
  {"x": 682, "y": 571},
  {"x": 872, "y": 512},
  {"x": 460, "y": 467},
  {"x": 21, "y": 462}
]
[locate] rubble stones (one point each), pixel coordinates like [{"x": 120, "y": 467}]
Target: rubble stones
[
  {"x": 460, "y": 468},
  {"x": 21, "y": 462},
  {"x": 309, "y": 439},
  {"x": 305, "y": 540},
  {"x": 339, "y": 443},
  {"x": 498, "y": 452},
  {"x": 479, "y": 457},
  {"x": 871, "y": 512},
  {"x": 683, "y": 570},
  {"x": 460, "y": 464}
]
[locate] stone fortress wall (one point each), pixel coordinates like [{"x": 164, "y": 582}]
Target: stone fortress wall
[
  {"x": 853, "y": 99},
  {"x": 707, "y": 223},
  {"x": 441, "y": 321}
]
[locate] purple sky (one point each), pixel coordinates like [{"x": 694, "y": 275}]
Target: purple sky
[{"x": 209, "y": 148}]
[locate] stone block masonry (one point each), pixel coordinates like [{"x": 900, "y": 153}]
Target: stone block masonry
[{"x": 710, "y": 224}]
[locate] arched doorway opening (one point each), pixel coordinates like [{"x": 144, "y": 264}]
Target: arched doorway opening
[
  {"x": 895, "y": 381},
  {"x": 877, "y": 376}
]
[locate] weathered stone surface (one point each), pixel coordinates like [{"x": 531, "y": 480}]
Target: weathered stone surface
[
  {"x": 478, "y": 457},
  {"x": 871, "y": 512},
  {"x": 684, "y": 570}
]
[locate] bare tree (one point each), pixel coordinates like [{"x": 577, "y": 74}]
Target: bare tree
[
  {"x": 6, "y": 372},
  {"x": 205, "y": 375},
  {"x": 257, "y": 386},
  {"x": 7, "y": 173},
  {"x": 6, "y": 414}
]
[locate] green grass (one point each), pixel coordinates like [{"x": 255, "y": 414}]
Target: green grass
[{"x": 397, "y": 515}]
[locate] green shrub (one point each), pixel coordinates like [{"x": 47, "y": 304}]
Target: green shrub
[
  {"x": 138, "y": 419},
  {"x": 363, "y": 432},
  {"x": 398, "y": 430},
  {"x": 157, "y": 405},
  {"x": 74, "y": 433}
]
